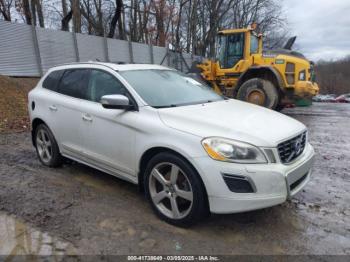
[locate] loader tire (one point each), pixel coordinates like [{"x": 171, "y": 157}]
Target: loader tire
[{"x": 260, "y": 92}]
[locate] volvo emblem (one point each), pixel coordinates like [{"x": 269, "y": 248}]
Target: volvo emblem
[{"x": 298, "y": 146}]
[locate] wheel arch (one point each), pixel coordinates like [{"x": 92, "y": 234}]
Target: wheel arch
[
  {"x": 265, "y": 72},
  {"x": 35, "y": 123},
  {"x": 151, "y": 152}
]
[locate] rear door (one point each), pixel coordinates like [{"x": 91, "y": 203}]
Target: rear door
[
  {"x": 72, "y": 91},
  {"x": 47, "y": 98}
]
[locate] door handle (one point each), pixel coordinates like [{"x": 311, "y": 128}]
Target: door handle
[
  {"x": 87, "y": 118},
  {"x": 53, "y": 108}
]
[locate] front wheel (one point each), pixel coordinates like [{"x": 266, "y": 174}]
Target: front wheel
[
  {"x": 174, "y": 190},
  {"x": 260, "y": 92}
]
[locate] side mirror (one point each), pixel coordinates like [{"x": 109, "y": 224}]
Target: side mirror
[{"x": 116, "y": 102}]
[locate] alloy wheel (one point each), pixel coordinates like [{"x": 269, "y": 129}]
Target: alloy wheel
[
  {"x": 170, "y": 190},
  {"x": 44, "y": 145}
]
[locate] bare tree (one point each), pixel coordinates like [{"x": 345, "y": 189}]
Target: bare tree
[
  {"x": 177, "y": 33},
  {"x": 5, "y": 9},
  {"x": 67, "y": 16},
  {"x": 23, "y": 8},
  {"x": 333, "y": 77},
  {"x": 93, "y": 13},
  {"x": 164, "y": 11},
  {"x": 190, "y": 25},
  {"x": 37, "y": 6},
  {"x": 76, "y": 15},
  {"x": 116, "y": 19}
]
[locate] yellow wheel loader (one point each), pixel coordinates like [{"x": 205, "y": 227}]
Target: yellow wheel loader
[{"x": 244, "y": 71}]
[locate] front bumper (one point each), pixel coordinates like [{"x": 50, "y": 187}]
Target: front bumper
[
  {"x": 274, "y": 183},
  {"x": 306, "y": 89}
]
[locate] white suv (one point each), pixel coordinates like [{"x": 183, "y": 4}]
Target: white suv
[{"x": 191, "y": 150}]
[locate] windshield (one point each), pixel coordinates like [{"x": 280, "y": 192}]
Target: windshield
[{"x": 167, "y": 88}]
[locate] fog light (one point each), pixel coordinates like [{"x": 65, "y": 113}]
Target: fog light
[{"x": 239, "y": 184}]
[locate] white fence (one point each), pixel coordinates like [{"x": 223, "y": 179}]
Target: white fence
[{"x": 31, "y": 51}]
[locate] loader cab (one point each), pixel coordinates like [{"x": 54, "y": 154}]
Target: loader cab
[{"x": 232, "y": 46}]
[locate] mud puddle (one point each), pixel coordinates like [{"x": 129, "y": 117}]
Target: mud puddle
[{"x": 17, "y": 238}]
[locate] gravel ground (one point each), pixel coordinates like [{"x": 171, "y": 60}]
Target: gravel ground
[{"x": 98, "y": 214}]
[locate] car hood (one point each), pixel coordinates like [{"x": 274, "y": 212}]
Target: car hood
[{"x": 233, "y": 119}]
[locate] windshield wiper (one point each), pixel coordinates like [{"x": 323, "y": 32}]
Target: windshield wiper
[
  {"x": 166, "y": 106},
  {"x": 187, "y": 104}
]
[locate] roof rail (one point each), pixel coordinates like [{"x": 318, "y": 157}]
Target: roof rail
[{"x": 88, "y": 62}]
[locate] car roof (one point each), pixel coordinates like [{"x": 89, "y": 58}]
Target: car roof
[{"x": 114, "y": 66}]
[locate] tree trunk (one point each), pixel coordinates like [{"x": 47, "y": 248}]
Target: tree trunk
[
  {"x": 39, "y": 10},
  {"x": 116, "y": 18},
  {"x": 65, "y": 21},
  {"x": 76, "y": 16},
  {"x": 5, "y": 10},
  {"x": 33, "y": 11},
  {"x": 64, "y": 8},
  {"x": 27, "y": 12},
  {"x": 159, "y": 13}
]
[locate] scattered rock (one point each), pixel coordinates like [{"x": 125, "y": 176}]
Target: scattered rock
[
  {"x": 147, "y": 243},
  {"x": 178, "y": 246},
  {"x": 144, "y": 235},
  {"x": 131, "y": 231}
]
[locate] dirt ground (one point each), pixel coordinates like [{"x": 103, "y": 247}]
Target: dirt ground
[{"x": 78, "y": 210}]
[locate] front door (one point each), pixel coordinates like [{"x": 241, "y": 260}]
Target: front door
[{"x": 108, "y": 133}]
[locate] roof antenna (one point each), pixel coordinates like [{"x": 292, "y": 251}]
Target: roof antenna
[{"x": 98, "y": 60}]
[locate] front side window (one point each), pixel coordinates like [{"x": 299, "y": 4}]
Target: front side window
[
  {"x": 168, "y": 88},
  {"x": 230, "y": 49},
  {"x": 52, "y": 80},
  {"x": 74, "y": 83},
  {"x": 102, "y": 83},
  {"x": 235, "y": 49},
  {"x": 254, "y": 44}
]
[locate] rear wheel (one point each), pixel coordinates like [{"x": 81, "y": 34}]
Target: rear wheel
[
  {"x": 46, "y": 147},
  {"x": 260, "y": 92},
  {"x": 175, "y": 190}
]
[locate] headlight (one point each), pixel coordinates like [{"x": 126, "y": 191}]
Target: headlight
[
  {"x": 232, "y": 151},
  {"x": 302, "y": 75}
]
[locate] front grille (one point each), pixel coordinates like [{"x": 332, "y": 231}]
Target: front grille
[{"x": 292, "y": 148}]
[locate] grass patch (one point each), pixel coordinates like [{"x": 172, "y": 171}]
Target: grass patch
[{"x": 13, "y": 103}]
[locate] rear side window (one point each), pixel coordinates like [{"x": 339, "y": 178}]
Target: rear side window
[
  {"x": 74, "y": 83},
  {"x": 52, "y": 80}
]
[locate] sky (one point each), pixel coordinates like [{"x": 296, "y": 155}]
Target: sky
[{"x": 322, "y": 27}]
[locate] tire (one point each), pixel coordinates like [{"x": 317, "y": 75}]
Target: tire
[
  {"x": 280, "y": 107},
  {"x": 259, "y": 91},
  {"x": 186, "y": 186},
  {"x": 46, "y": 147}
]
